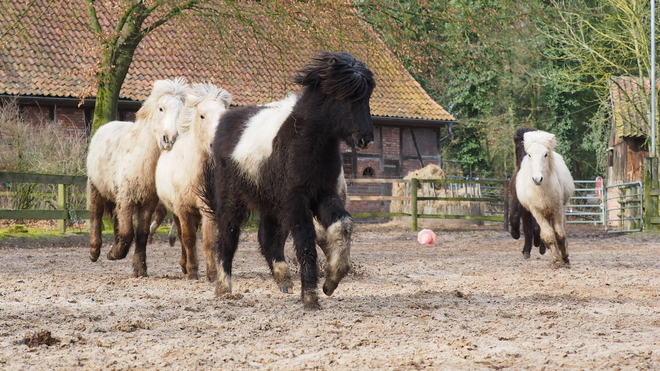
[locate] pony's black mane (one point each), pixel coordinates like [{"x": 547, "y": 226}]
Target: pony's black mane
[
  {"x": 339, "y": 75},
  {"x": 518, "y": 137}
]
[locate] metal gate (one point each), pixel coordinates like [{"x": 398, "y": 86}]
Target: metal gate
[
  {"x": 624, "y": 207},
  {"x": 587, "y": 206}
]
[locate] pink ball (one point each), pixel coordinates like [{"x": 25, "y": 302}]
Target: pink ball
[{"x": 426, "y": 236}]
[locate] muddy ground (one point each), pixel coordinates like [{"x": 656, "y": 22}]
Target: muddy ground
[{"x": 468, "y": 302}]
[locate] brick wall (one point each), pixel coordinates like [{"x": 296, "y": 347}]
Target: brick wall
[{"x": 71, "y": 118}]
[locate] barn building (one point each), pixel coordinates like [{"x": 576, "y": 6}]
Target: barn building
[{"x": 48, "y": 67}]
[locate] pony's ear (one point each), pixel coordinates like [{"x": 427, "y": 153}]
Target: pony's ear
[
  {"x": 191, "y": 98},
  {"x": 225, "y": 97},
  {"x": 553, "y": 142}
]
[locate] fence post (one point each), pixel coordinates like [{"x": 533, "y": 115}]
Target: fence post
[
  {"x": 413, "y": 202},
  {"x": 61, "y": 204},
  {"x": 651, "y": 207}
]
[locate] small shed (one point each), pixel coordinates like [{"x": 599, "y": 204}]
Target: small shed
[{"x": 628, "y": 144}]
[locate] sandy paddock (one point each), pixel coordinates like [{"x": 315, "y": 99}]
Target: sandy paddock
[{"x": 469, "y": 302}]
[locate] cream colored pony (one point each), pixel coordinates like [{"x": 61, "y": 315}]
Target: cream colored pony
[
  {"x": 180, "y": 170},
  {"x": 121, "y": 167},
  {"x": 544, "y": 185}
]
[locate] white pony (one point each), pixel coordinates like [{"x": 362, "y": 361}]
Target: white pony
[
  {"x": 544, "y": 185},
  {"x": 121, "y": 167},
  {"x": 179, "y": 174}
]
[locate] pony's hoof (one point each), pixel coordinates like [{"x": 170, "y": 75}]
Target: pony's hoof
[
  {"x": 193, "y": 276},
  {"x": 212, "y": 277},
  {"x": 542, "y": 249},
  {"x": 286, "y": 289},
  {"x": 329, "y": 288},
  {"x": 94, "y": 254},
  {"x": 526, "y": 255},
  {"x": 110, "y": 256},
  {"x": 515, "y": 234},
  {"x": 140, "y": 273},
  {"x": 172, "y": 240},
  {"x": 561, "y": 264},
  {"x": 221, "y": 289},
  {"x": 310, "y": 300}
]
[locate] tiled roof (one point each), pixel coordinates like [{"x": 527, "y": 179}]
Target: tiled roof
[
  {"x": 55, "y": 56},
  {"x": 630, "y": 106}
]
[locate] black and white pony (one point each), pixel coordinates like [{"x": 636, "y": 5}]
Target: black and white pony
[
  {"x": 518, "y": 213},
  {"x": 283, "y": 160}
]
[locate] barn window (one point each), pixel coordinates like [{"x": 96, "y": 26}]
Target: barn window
[{"x": 368, "y": 171}]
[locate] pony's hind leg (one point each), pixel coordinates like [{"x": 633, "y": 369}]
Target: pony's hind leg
[
  {"x": 516, "y": 208},
  {"x": 183, "y": 258},
  {"x": 271, "y": 241},
  {"x": 229, "y": 230},
  {"x": 208, "y": 246},
  {"x": 160, "y": 213},
  {"x": 560, "y": 236},
  {"x": 528, "y": 231},
  {"x": 96, "y": 208},
  {"x": 141, "y": 236},
  {"x": 189, "y": 223},
  {"x": 124, "y": 232}
]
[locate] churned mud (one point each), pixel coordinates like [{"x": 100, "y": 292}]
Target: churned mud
[{"x": 468, "y": 302}]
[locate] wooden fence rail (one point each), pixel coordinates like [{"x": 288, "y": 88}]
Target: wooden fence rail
[
  {"x": 62, "y": 214},
  {"x": 414, "y": 199}
]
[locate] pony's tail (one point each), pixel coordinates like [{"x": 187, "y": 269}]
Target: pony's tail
[{"x": 206, "y": 192}]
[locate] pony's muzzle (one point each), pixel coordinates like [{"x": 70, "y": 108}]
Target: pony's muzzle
[
  {"x": 538, "y": 180},
  {"x": 364, "y": 143},
  {"x": 167, "y": 141}
]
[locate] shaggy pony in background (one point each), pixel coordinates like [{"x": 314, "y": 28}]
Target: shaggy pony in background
[
  {"x": 544, "y": 186},
  {"x": 531, "y": 229}
]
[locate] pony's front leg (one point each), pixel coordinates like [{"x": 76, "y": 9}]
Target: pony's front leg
[
  {"x": 271, "y": 241},
  {"x": 96, "y": 209},
  {"x": 208, "y": 246},
  {"x": 302, "y": 229},
  {"x": 124, "y": 232},
  {"x": 548, "y": 237},
  {"x": 336, "y": 241}
]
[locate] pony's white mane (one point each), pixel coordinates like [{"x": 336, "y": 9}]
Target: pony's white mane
[
  {"x": 539, "y": 137},
  {"x": 194, "y": 96},
  {"x": 176, "y": 88}
]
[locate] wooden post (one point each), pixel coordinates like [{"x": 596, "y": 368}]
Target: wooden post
[
  {"x": 651, "y": 181},
  {"x": 413, "y": 202},
  {"x": 61, "y": 205}
]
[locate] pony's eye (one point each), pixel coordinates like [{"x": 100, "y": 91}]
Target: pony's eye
[
  {"x": 201, "y": 117},
  {"x": 529, "y": 155},
  {"x": 546, "y": 155},
  {"x": 161, "y": 109}
]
